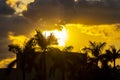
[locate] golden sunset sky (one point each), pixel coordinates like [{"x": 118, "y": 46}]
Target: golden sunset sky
[{"x": 84, "y": 21}]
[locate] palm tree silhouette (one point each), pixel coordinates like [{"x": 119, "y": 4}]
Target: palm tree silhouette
[
  {"x": 95, "y": 49},
  {"x": 114, "y": 54},
  {"x": 27, "y": 57},
  {"x": 39, "y": 47},
  {"x": 24, "y": 55},
  {"x": 44, "y": 44},
  {"x": 107, "y": 71},
  {"x": 105, "y": 58}
]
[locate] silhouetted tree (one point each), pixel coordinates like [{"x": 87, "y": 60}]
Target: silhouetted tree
[
  {"x": 95, "y": 49},
  {"x": 114, "y": 54},
  {"x": 73, "y": 66},
  {"x": 44, "y": 43},
  {"x": 24, "y": 55},
  {"x": 104, "y": 59}
]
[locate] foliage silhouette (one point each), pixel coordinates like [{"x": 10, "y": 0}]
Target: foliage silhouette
[
  {"x": 44, "y": 44},
  {"x": 114, "y": 54},
  {"x": 38, "y": 54},
  {"x": 95, "y": 49},
  {"x": 24, "y": 55}
]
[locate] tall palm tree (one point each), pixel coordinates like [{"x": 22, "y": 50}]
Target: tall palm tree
[
  {"x": 23, "y": 56},
  {"x": 95, "y": 49},
  {"x": 44, "y": 43},
  {"x": 114, "y": 54},
  {"x": 26, "y": 56}
]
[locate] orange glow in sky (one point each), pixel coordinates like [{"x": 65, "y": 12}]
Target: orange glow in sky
[{"x": 19, "y": 39}]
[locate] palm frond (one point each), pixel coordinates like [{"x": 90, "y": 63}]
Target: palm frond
[
  {"x": 93, "y": 44},
  {"x": 102, "y": 45},
  {"x": 52, "y": 40},
  {"x": 41, "y": 40},
  {"x": 14, "y": 48}
]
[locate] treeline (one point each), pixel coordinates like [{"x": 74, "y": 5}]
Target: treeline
[{"x": 92, "y": 63}]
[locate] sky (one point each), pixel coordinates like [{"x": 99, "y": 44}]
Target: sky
[{"x": 84, "y": 20}]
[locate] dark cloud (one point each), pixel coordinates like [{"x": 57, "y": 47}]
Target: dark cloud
[
  {"x": 5, "y": 9},
  {"x": 42, "y": 9},
  {"x": 16, "y": 24},
  {"x": 102, "y": 12},
  {"x": 4, "y": 48}
]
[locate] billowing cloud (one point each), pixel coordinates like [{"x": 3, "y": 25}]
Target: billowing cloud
[
  {"x": 19, "y": 5},
  {"x": 44, "y": 10},
  {"x": 69, "y": 11}
]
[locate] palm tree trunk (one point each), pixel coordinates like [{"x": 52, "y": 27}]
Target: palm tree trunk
[
  {"x": 114, "y": 63},
  {"x": 23, "y": 73},
  {"x": 44, "y": 65}
]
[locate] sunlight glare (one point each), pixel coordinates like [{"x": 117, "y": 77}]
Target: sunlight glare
[
  {"x": 75, "y": 0},
  {"x": 60, "y": 35}
]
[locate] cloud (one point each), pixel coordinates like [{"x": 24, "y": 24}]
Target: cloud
[
  {"x": 44, "y": 10},
  {"x": 5, "y": 62},
  {"x": 5, "y": 9},
  {"x": 19, "y": 5},
  {"x": 19, "y": 40},
  {"x": 70, "y": 12},
  {"x": 105, "y": 30},
  {"x": 16, "y": 24}
]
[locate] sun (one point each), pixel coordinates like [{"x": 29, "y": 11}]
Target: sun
[
  {"x": 75, "y": 0},
  {"x": 61, "y": 35}
]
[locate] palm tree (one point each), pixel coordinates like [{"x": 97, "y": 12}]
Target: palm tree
[
  {"x": 23, "y": 56},
  {"x": 108, "y": 56},
  {"x": 105, "y": 58},
  {"x": 114, "y": 54},
  {"x": 27, "y": 57},
  {"x": 44, "y": 44},
  {"x": 95, "y": 49}
]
